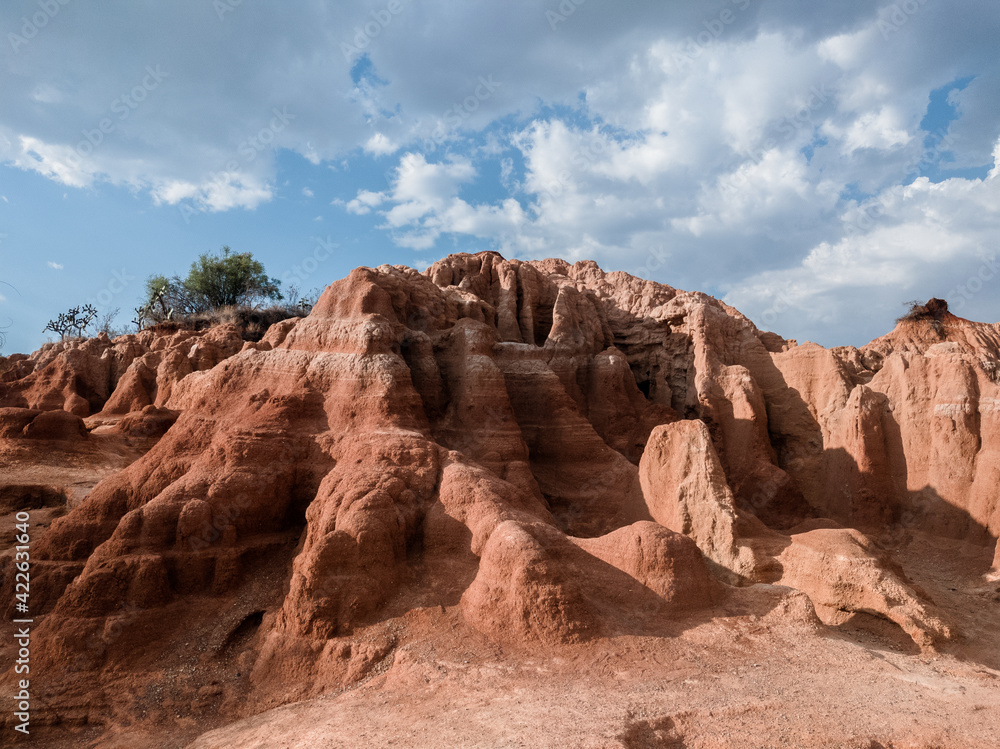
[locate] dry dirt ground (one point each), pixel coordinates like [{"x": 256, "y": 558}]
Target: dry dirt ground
[
  {"x": 69, "y": 474},
  {"x": 750, "y": 673}
]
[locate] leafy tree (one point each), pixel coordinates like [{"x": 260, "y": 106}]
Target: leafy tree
[
  {"x": 214, "y": 281},
  {"x": 230, "y": 280}
]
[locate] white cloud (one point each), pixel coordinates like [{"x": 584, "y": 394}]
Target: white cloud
[
  {"x": 506, "y": 173},
  {"x": 363, "y": 203},
  {"x": 881, "y": 130},
  {"x": 426, "y": 204},
  {"x": 60, "y": 163},
  {"x": 733, "y": 163},
  {"x": 769, "y": 193},
  {"x": 54, "y": 265},
  {"x": 220, "y": 192},
  {"x": 45, "y": 93},
  {"x": 380, "y": 145},
  {"x": 915, "y": 242},
  {"x": 307, "y": 192}
]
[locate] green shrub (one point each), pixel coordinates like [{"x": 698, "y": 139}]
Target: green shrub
[{"x": 214, "y": 281}]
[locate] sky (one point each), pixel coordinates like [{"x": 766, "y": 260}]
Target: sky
[{"x": 816, "y": 165}]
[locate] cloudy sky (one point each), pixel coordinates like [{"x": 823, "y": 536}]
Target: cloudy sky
[{"x": 814, "y": 164}]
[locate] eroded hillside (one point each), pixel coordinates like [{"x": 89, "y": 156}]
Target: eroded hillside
[{"x": 512, "y": 461}]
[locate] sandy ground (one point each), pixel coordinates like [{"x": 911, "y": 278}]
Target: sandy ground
[
  {"x": 736, "y": 677},
  {"x": 728, "y": 683}
]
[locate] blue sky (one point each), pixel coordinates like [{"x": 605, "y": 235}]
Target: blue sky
[{"x": 815, "y": 166}]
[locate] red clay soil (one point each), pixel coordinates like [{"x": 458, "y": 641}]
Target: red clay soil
[{"x": 503, "y": 503}]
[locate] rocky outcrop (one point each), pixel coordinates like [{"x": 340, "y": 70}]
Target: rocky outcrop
[
  {"x": 839, "y": 569},
  {"x": 842, "y": 570},
  {"x": 685, "y": 490},
  {"x": 117, "y": 376},
  {"x": 904, "y": 430},
  {"x": 551, "y": 452},
  {"x": 536, "y": 585},
  {"x": 26, "y": 423},
  {"x": 395, "y": 418}
]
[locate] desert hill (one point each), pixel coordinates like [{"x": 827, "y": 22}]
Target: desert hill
[{"x": 502, "y": 477}]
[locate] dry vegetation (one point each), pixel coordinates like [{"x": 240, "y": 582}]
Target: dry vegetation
[{"x": 252, "y": 323}]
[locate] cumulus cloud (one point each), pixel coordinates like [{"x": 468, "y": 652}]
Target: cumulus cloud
[
  {"x": 380, "y": 145},
  {"x": 425, "y": 203},
  {"x": 54, "y": 265},
  {"x": 363, "y": 203},
  {"x": 785, "y": 156},
  {"x": 222, "y": 191},
  {"x": 917, "y": 241},
  {"x": 57, "y": 162}
]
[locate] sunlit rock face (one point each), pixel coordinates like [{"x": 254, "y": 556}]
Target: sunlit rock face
[{"x": 562, "y": 454}]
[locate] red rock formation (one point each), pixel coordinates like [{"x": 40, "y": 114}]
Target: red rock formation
[
  {"x": 842, "y": 570},
  {"x": 904, "y": 429},
  {"x": 534, "y": 584},
  {"x": 839, "y": 569},
  {"x": 26, "y": 423},
  {"x": 543, "y": 446},
  {"x": 126, "y": 374},
  {"x": 685, "y": 490}
]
